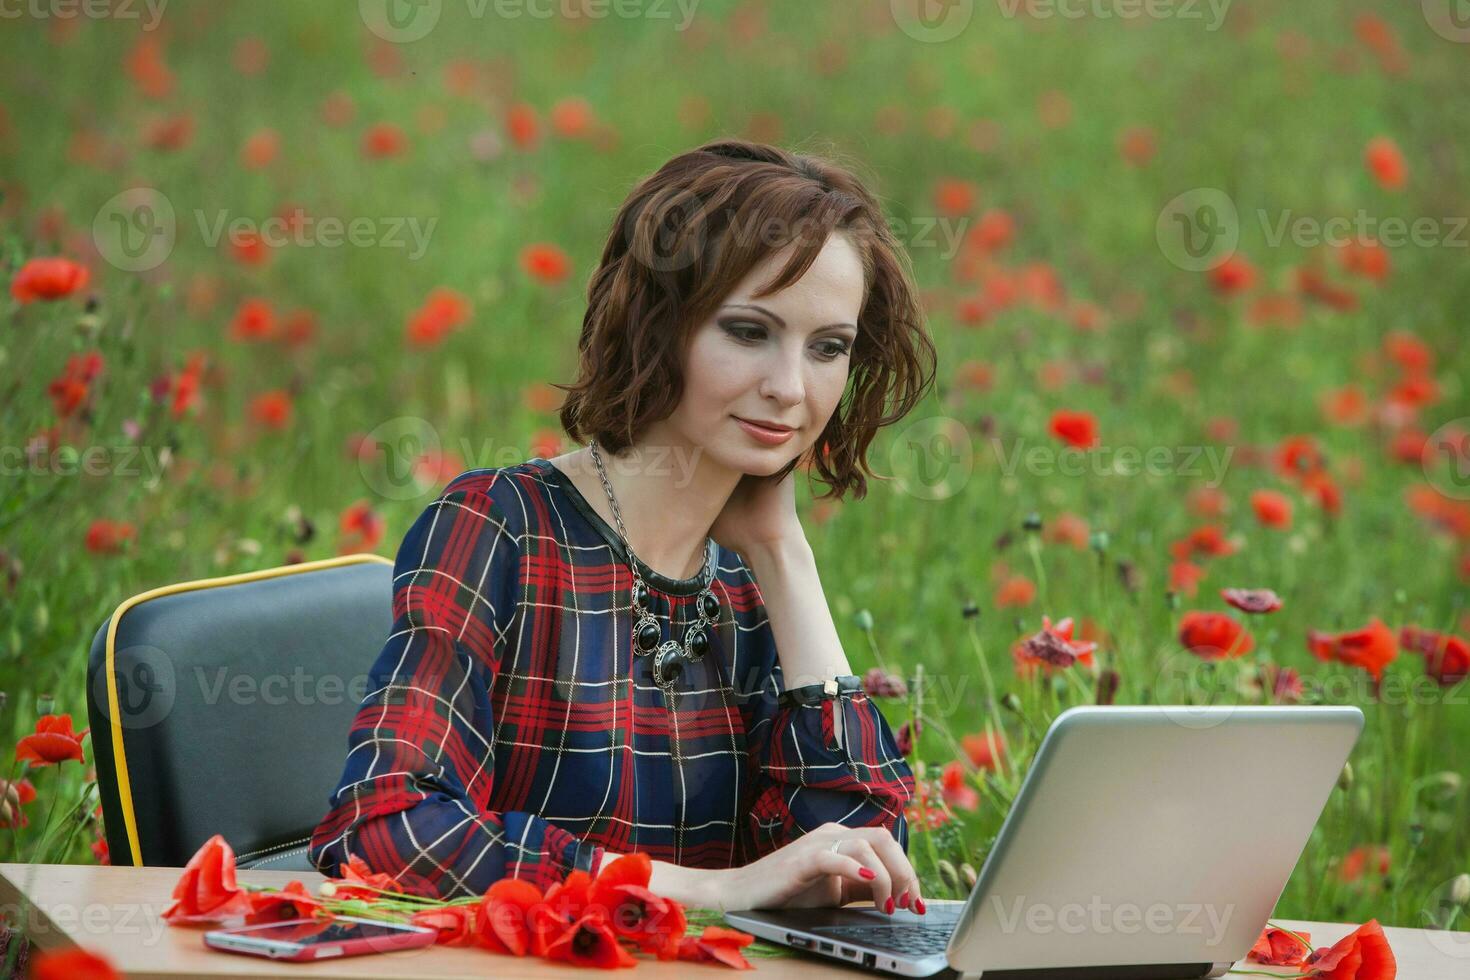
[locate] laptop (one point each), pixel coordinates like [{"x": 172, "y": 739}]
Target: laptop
[{"x": 1146, "y": 843}]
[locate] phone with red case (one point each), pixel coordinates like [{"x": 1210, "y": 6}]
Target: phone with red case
[{"x": 319, "y": 939}]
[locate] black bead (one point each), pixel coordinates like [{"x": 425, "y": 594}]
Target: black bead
[
  {"x": 709, "y": 606},
  {"x": 669, "y": 666},
  {"x": 697, "y": 642},
  {"x": 640, "y": 596},
  {"x": 648, "y": 636}
]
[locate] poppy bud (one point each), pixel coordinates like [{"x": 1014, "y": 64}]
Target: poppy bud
[
  {"x": 45, "y": 704},
  {"x": 1444, "y": 785},
  {"x": 1416, "y": 834},
  {"x": 863, "y": 620},
  {"x": 1107, "y": 686},
  {"x": 1460, "y": 890},
  {"x": 1010, "y": 702},
  {"x": 1032, "y": 523},
  {"x": 949, "y": 875},
  {"x": 43, "y": 617},
  {"x": 1098, "y": 541},
  {"x": 1171, "y": 599},
  {"x": 971, "y": 611},
  {"x": 968, "y": 870},
  {"x": 1345, "y": 778}
]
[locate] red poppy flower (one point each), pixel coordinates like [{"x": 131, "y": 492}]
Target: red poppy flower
[
  {"x": 716, "y": 944},
  {"x": 1077, "y": 429},
  {"x": 70, "y": 390},
  {"x": 1363, "y": 954},
  {"x": 1411, "y": 354},
  {"x": 1372, "y": 647},
  {"x": 1386, "y": 163},
  {"x": 444, "y": 310},
  {"x": 653, "y": 923},
  {"x": 958, "y": 793},
  {"x": 545, "y": 262},
  {"x": 1359, "y": 859},
  {"x": 1272, "y": 509},
  {"x": 1016, "y": 590},
  {"x": 271, "y": 409},
  {"x": 954, "y": 196},
  {"x": 383, "y": 140},
  {"x": 52, "y": 743},
  {"x": 1051, "y": 648},
  {"x": 590, "y": 941},
  {"x": 254, "y": 320},
  {"x": 357, "y": 880},
  {"x": 291, "y": 902},
  {"x": 105, "y": 537},
  {"x": 563, "y": 905},
  {"x": 361, "y": 527},
  {"x": 1252, "y": 600},
  {"x": 1446, "y": 656},
  {"x": 1277, "y": 947},
  {"x": 456, "y": 924},
  {"x": 48, "y": 279},
  {"x": 572, "y": 117},
  {"x": 1214, "y": 636},
  {"x": 1234, "y": 275},
  {"x": 73, "y": 964},
  {"x": 522, "y": 125},
  {"x": 207, "y": 892},
  {"x": 1299, "y": 455},
  {"x": 1207, "y": 539},
  {"x": 504, "y": 918},
  {"x": 260, "y": 149},
  {"x": 983, "y": 754},
  {"x": 1184, "y": 577}
]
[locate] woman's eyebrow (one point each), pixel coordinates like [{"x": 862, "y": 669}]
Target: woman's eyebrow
[{"x": 780, "y": 322}]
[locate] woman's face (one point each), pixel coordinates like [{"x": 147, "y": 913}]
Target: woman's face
[{"x": 782, "y": 359}]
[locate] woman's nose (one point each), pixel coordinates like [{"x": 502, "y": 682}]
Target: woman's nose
[{"x": 784, "y": 381}]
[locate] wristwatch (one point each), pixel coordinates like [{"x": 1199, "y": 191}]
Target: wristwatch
[{"x": 815, "y": 693}]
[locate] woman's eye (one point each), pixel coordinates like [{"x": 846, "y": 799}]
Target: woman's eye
[
  {"x": 834, "y": 349},
  {"x": 746, "y": 332}
]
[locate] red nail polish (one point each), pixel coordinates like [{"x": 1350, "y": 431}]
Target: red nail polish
[
  {"x": 919, "y": 905},
  {"x": 889, "y": 907},
  {"x": 903, "y": 900},
  {"x": 868, "y": 873}
]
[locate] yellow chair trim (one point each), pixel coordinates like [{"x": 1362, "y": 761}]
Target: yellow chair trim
[{"x": 114, "y": 705}]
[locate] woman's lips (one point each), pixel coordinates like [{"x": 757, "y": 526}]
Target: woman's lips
[{"x": 770, "y": 437}]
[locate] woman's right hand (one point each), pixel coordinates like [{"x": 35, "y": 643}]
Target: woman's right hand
[{"x": 869, "y": 863}]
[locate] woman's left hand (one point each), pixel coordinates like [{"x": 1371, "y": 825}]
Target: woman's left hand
[{"x": 759, "y": 514}]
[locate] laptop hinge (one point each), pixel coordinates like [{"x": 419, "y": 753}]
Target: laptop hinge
[{"x": 1155, "y": 971}]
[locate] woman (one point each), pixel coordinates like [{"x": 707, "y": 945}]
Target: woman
[{"x": 582, "y": 663}]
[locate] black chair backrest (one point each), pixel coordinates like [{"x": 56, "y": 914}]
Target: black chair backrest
[{"x": 221, "y": 706}]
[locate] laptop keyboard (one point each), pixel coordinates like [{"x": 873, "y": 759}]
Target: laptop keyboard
[{"x": 911, "y": 940}]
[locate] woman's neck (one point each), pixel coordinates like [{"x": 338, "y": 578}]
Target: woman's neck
[{"x": 668, "y": 494}]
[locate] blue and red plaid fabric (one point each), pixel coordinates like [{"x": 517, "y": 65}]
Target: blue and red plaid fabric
[{"x": 509, "y": 729}]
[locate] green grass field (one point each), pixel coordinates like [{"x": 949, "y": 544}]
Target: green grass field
[{"x": 1102, "y": 299}]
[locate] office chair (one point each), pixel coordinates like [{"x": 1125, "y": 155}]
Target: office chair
[{"x": 221, "y": 706}]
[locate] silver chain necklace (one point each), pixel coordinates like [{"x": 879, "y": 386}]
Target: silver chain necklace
[{"x": 669, "y": 656}]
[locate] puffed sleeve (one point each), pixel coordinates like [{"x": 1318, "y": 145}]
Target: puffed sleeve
[
  {"x": 803, "y": 776},
  {"x": 414, "y": 797}
]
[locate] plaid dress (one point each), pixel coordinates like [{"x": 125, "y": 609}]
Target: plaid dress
[{"x": 509, "y": 729}]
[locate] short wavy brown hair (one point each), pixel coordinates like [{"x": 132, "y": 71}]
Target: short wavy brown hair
[{"x": 682, "y": 241}]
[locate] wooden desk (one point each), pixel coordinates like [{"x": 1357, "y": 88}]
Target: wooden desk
[{"x": 117, "y": 912}]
